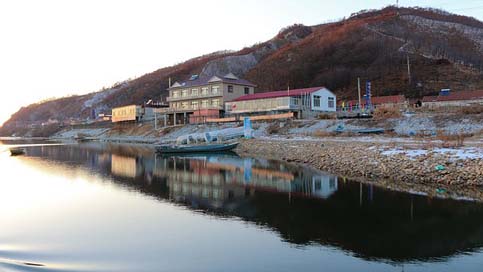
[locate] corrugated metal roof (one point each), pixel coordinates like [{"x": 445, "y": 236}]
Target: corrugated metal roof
[
  {"x": 455, "y": 96},
  {"x": 294, "y": 92},
  {"x": 205, "y": 80},
  {"x": 376, "y": 100}
]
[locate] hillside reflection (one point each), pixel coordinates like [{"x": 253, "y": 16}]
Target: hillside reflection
[{"x": 304, "y": 206}]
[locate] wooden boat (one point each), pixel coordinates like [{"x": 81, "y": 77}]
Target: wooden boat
[
  {"x": 361, "y": 131},
  {"x": 371, "y": 131},
  {"x": 203, "y": 148},
  {"x": 17, "y": 151},
  {"x": 201, "y": 155}
]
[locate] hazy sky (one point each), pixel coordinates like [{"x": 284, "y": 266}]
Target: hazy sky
[{"x": 54, "y": 48}]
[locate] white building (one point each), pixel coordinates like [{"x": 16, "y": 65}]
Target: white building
[{"x": 302, "y": 101}]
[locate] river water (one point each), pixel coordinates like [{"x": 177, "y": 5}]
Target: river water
[{"x": 105, "y": 207}]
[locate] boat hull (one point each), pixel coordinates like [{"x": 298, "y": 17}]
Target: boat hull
[
  {"x": 17, "y": 151},
  {"x": 195, "y": 148}
]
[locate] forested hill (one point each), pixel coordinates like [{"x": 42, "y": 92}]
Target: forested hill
[{"x": 444, "y": 51}]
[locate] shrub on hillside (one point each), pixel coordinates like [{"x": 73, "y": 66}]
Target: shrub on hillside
[
  {"x": 327, "y": 116},
  {"x": 386, "y": 112},
  {"x": 452, "y": 140},
  {"x": 473, "y": 109}
]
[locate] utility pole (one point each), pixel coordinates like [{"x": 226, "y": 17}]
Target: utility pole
[
  {"x": 409, "y": 69},
  {"x": 155, "y": 120},
  {"x": 359, "y": 91}
]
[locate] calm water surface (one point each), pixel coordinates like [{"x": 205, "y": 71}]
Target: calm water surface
[{"x": 102, "y": 207}]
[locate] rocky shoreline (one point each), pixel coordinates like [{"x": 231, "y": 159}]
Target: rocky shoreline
[{"x": 434, "y": 174}]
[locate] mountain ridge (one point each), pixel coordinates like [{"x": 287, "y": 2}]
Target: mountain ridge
[{"x": 444, "y": 50}]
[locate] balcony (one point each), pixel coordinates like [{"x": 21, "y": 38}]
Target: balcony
[{"x": 191, "y": 97}]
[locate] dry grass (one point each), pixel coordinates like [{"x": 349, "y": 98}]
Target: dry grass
[
  {"x": 473, "y": 109},
  {"x": 452, "y": 140},
  {"x": 273, "y": 128},
  {"x": 386, "y": 112},
  {"x": 327, "y": 116},
  {"x": 323, "y": 133}
]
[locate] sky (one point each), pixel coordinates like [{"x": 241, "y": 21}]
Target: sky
[{"x": 56, "y": 48}]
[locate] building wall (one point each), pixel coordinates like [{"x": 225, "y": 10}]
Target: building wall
[
  {"x": 260, "y": 105},
  {"x": 324, "y": 95},
  {"x": 457, "y": 103},
  {"x": 208, "y": 100},
  {"x": 126, "y": 113},
  {"x": 238, "y": 90},
  {"x": 204, "y": 101}
]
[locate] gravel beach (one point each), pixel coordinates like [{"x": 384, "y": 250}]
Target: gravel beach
[{"x": 456, "y": 173}]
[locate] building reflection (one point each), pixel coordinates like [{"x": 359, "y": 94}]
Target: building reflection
[
  {"x": 304, "y": 206},
  {"x": 223, "y": 177}
]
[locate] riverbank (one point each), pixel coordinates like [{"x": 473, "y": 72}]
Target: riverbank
[
  {"x": 435, "y": 154},
  {"x": 410, "y": 167}
]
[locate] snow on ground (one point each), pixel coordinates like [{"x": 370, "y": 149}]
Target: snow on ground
[
  {"x": 323, "y": 125},
  {"x": 92, "y": 132},
  {"x": 464, "y": 153},
  {"x": 414, "y": 125}
]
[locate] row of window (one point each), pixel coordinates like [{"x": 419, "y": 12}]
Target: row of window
[
  {"x": 204, "y": 91},
  {"x": 123, "y": 112},
  {"x": 195, "y": 92},
  {"x": 203, "y": 104}
]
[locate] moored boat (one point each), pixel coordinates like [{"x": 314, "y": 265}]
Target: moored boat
[
  {"x": 202, "y": 148},
  {"x": 17, "y": 151}
]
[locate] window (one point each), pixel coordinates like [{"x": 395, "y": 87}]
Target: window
[
  {"x": 184, "y": 105},
  {"x": 215, "y": 89},
  {"x": 184, "y": 93},
  {"x": 204, "y": 91},
  {"x": 247, "y": 90},
  {"x": 194, "y": 92},
  {"x": 331, "y": 102},
  {"x": 316, "y": 101},
  {"x": 204, "y": 103},
  {"x": 317, "y": 185},
  {"x": 194, "y": 104},
  {"x": 175, "y": 94},
  {"x": 332, "y": 182},
  {"x": 230, "y": 88},
  {"x": 215, "y": 102}
]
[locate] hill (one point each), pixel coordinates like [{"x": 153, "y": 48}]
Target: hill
[{"x": 444, "y": 51}]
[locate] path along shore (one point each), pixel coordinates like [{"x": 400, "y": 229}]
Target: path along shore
[{"x": 441, "y": 172}]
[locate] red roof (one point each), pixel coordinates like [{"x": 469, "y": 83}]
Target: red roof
[
  {"x": 377, "y": 100},
  {"x": 294, "y": 92},
  {"x": 455, "y": 96}
]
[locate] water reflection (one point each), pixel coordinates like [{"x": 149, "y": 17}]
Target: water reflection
[{"x": 305, "y": 207}]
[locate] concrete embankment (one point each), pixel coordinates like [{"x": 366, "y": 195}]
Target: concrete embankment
[{"x": 437, "y": 171}]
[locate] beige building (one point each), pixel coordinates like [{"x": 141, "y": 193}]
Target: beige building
[
  {"x": 454, "y": 99},
  {"x": 132, "y": 113},
  {"x": 207, "y": 93},
  {"x": 201, "y": 97}
]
